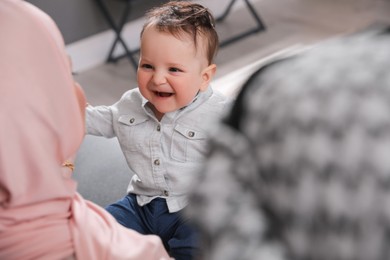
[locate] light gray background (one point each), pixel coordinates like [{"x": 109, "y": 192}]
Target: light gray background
[{"x": 78, "y": 19}]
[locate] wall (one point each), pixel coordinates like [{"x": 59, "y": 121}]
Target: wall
[{"x": 79, "y": 19}]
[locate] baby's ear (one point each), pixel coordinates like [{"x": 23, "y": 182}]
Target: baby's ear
[{"x": 207, "y": 75}]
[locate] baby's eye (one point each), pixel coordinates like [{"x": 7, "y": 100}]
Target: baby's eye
[
  {"x": 175, "y": 70},
  {"x": 147, "y": 66}
]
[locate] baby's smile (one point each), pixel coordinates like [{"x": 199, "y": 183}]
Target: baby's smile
[{"x": 163, "y": 94}]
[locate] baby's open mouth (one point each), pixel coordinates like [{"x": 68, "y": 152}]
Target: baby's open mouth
[{"x": 163, "y": 94}]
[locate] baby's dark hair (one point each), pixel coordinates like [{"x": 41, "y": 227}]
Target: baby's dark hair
[{"x": 177, "y": 17}]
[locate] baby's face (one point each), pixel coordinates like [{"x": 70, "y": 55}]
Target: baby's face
[{"x": 171, "y": 71}]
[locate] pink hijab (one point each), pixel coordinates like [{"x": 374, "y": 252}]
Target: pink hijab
[{"x": 41, "y": 127}]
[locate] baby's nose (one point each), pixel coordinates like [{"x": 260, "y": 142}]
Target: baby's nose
[{"x": 159, "y": 78}]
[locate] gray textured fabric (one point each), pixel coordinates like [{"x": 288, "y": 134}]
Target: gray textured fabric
[{"x": 301, "y": 169}]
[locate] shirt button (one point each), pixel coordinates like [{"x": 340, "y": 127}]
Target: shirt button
[
  {"x": 158, "y": 128},
  {"x": 166, "y": 193},
  {"x": 191, "y": 134},
  {"x": 156, "y": 162},
  {"x": 131, "y": 120}
]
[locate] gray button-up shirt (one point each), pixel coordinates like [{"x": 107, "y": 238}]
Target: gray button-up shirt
[{"x": 165, "y": 155}]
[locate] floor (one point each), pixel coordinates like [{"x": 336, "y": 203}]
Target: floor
[{"x": 288, "y": 22}]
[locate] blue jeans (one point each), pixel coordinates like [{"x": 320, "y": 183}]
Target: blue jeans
[{"x": 178, "y": 236}]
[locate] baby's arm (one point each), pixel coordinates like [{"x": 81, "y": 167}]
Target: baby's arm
[{"x": 99, "y": 121}]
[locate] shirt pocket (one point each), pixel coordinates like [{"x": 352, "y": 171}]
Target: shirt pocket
[
  {"x": 188, "y": 144},
  {"x": 131, "y": 131}
]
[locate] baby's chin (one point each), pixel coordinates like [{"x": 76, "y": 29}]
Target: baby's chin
[
  {"x": 167, "y": 110},
  {"x": 166, "y": 105}
]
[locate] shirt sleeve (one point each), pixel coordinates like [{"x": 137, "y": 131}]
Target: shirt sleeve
[{"x": 99, "y": 121}]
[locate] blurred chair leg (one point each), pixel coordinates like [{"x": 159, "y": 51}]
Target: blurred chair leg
[
  {"x": 259, "y": 23},
  {"x": 118, "y": 30}
]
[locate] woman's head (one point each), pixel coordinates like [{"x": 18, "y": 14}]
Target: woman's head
[
  {"x": 319, "y": 128},
  {"x": 300, "y": 167},
  {"x": 41, "y": 109}
]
